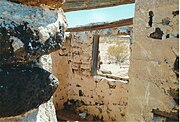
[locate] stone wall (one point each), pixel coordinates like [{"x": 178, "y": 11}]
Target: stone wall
[
  {"x": 26, "y": 83},
  {"x": 152, "y": 64},
  {"x": 98, "y": 97},
  {"x": 45, "y": 112}
]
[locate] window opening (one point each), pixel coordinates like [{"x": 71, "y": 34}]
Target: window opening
[{"x": 111, "y": 56}]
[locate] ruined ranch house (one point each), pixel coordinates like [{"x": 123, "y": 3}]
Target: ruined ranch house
[{"x": 151, "y": 93}]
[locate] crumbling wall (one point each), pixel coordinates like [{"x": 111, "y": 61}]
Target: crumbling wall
[
  {"x": 95, "y": 97},
  {"x": 62, "y": 70},
  {"x": 154, "y": 53}
]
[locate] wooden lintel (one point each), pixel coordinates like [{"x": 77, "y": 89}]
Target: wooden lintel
[
  {"x": 124, "y": 22},
  {"x": 75, "y": 5}
]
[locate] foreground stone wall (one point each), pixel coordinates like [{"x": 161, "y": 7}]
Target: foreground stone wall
[
  {"x": 152, "y": 63},
  {"x": 98, "y": 98},
  {"x": 45, "y": 112},
  {"x": 26, "y": 82}
]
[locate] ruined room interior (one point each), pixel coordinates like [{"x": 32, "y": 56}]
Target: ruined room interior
[{"x": 125, "y": 70}]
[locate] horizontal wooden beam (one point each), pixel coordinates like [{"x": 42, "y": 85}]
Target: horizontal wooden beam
[
  {"x": 50, "y": 3},
  {"x": 75, "y": 5},
  {"x": 124, "y": 22}
]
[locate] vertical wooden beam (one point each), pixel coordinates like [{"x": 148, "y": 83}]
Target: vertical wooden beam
[{"x": 95, "y": 52}]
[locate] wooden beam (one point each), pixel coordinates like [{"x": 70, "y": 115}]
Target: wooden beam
[
  {"x": 50, "y": 3},
  {"x": 75, "y": 5},
  {"x": 124, "y": 22},
  {"x": 95, "y": 54}
]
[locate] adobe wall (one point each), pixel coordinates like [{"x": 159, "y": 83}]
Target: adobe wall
[
  {"x": 79, "y": 91},
  {"x": 152, "y": 63}
]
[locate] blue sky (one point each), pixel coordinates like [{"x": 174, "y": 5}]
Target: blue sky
[{"x": 84, "y": 17}]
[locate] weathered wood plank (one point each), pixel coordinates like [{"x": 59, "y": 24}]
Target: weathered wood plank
[
  {"x": 124, "y": 22},
  {"x": 95, "y": 55},
  {"x": 50, "y": 3},
  {"x": 74, "y": 5}
]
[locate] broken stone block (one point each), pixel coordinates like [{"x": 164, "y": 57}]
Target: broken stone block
[
  {"x": 27, "y": 33},
  {"x": 24, "y": 88}
]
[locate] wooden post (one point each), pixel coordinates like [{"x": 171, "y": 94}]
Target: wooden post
[{"x": 95, "y": 52}]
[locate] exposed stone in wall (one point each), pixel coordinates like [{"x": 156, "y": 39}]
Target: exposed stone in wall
[
  {"x": 124, "y": 30},
  {"x": 95, "y": 97},
  {"x": 154, "y": 53},
  {"x": 27, "y": 33}
]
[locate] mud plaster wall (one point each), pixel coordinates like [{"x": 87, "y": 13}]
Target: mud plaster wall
[
  {"x": 100, "y": 97},
  {"x": 154, "y": 51}
]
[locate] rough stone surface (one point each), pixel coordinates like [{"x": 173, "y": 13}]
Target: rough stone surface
[
  {"x": 26, "y": 33},
  {"x": 24, "y": 89},
  {"x": 154, "y": 53},
  {"x": 45, "y": 113}
]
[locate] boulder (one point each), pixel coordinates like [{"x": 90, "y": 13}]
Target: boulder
[
  {"x": 26, "y": 32},
  {"x": 24, "y": 88}
]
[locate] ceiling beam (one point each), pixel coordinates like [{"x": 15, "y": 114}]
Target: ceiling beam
[
  {"x": 75, "y": 5},
  {"x": 99, "y": 26}
]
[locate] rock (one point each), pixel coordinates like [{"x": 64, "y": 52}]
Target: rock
[
  {"x": 45, "y": 113},
  {"x": 26, "y": 33},
  {"x": 24, "y": 88},
  {"x": 106, "y": 72}
]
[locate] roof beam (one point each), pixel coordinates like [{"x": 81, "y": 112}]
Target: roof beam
[
  {"x": 124, "y": 22},
  {"x": 75, "y": 5}
]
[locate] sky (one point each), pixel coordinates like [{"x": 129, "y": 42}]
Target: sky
[{"x": 83, "y": 17}]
